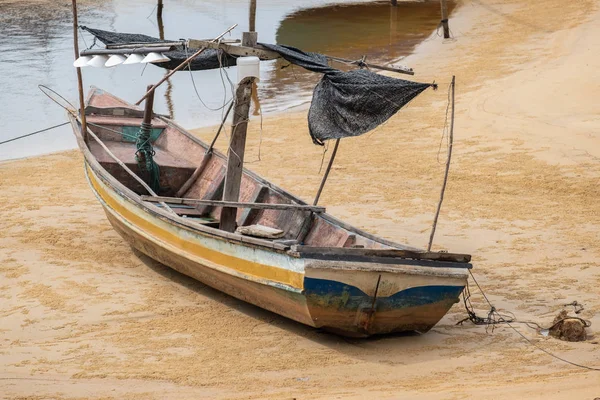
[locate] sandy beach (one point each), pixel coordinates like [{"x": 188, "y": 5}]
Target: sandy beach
[{"x": 82, "y": 316}]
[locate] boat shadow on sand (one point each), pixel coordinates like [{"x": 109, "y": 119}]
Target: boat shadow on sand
[{"x": 392, "y": 345}]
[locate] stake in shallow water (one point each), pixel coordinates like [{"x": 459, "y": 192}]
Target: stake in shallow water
[{"x": 79, "y": 78}]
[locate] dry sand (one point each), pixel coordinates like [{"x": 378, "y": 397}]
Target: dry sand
[{"x": 82, "y": 316}]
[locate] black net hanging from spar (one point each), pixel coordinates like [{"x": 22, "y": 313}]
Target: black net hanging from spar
[
  {"x": 208, "y": 59},
  {"x": 349, "y": 103}
]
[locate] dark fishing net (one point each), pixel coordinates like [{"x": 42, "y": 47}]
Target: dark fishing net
[
  {"x": 349, "y": 103},
  {"x": 208, "y": 59},
  {"x": 344, "y": 104}
]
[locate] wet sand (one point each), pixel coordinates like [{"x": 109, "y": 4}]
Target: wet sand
[{"x": 82, "y": 316}]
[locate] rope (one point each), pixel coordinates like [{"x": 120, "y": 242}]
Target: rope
[
  {"x": 145, "y": 156},
  {"x": 495, "y": 318},
  {"x": 34, "y": 133},
  {"x": 43, "y": 89}
]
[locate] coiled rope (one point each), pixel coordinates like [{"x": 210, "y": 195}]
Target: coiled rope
[
  {"x": 495, "y": 318},
  {"x": 145, "y": 156}
]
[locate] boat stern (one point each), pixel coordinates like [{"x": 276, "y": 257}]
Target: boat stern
[{"x": 354, "y": 299}]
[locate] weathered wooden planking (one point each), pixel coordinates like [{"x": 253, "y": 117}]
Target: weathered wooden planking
[
  {"x": 114, "y": 111},
  {"x": 197, "y": 172},
  {"x": 235, "y": 157},
  {"x": 123, "y": 121},
  {"x": 117, "y": 112},
  {"x": 221, "y": 203},
  {"x": 344, "y": 251},
  {"x": 249, "y": 214}
]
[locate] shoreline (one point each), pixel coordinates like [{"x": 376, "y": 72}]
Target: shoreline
[{"x": 82, "y": 316}]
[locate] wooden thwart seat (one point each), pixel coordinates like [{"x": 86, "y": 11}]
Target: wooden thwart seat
[
  {"x": 123, "y": 121},
  {"x": 264, "y": 206}
]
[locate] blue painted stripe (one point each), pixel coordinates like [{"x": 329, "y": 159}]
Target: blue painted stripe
[{"x": 333, "y": 294}]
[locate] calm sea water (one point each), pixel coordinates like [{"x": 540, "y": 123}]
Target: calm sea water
[{"x": 36, "y": 48}]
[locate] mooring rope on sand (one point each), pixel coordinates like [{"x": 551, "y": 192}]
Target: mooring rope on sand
[
  {"x": 495, "y": 318},
  {"x": 34, "y": 133}
]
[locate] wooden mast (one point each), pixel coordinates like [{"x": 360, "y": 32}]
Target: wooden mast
[
  {"x": 79, "y": 78},
  {"x": 237, "y": 145},
  {"x": 235, "y": 157},
  {"x": 252, "y": 19}
]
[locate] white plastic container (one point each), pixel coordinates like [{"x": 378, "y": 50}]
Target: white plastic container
[{"x": 248, "y": 66}]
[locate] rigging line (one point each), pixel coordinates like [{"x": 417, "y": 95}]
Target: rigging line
[
  {"x": 152, "y": 12},
  {"x": 34, "y": 133},
  {"x": 44, "y": 87},
  {"x": 524, "y": 337},
  {"x": 223, "y": 81},
  {"x": 260, "y": 132},
  {"x": 445, "y": 124},
  {"x": 223, "y": 70},
  {"x": 325, "y": 149},
  {"x": 233, "y": 96},
  {"x": 85, "y": 41},
  {"x": 260, "y": 137},
  {"x": 196, "y": 89}
]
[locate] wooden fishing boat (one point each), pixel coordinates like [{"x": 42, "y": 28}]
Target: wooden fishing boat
[{"x": 319, "y": 271}]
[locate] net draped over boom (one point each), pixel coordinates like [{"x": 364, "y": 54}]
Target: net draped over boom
[
  {"x": 208, "y": 59},
  {"x": 346, "y": 104}
]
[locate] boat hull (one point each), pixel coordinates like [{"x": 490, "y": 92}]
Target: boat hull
[{"x": 346, "y": 297}]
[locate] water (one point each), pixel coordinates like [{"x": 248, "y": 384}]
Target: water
[{"x": 36, "y": 48}]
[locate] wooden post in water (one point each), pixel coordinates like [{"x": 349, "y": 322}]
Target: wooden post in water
[
  {"x": 159, "y": 20},
  {"x": 252, "y": 21},
  {"x": 444, "y": 21},
  {"x": 450, "y": 141},
  {"x": 79, "y": 78},
  {"x": 235, "y": 157},
  {"x": 394, "y": 2}
]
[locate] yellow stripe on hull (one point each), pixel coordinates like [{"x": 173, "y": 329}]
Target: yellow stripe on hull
[{"x": 185, "y": 242}]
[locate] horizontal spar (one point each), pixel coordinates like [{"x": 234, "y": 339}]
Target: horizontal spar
[
  {"x": 221, "y": 203},
  {"x": 159, "y": 44},
  {"x": 142, "y": 44},
  {"x": 264, "y": 54},
  {"x": 138, "y": 50},
  {"x": 398, "y": 253}
]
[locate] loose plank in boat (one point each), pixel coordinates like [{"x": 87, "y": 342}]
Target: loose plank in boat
[
  {"x": 220, "y": 203},
  {"x": 415, "y": 255}
]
